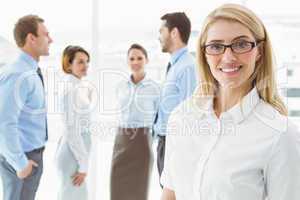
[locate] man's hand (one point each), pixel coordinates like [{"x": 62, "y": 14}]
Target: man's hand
[
  {"x": 78, "y": 178},
  {"x": 27, "y": 170}
]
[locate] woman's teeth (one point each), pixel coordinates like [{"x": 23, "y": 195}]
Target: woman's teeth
[{"x": 230, "y": 69}]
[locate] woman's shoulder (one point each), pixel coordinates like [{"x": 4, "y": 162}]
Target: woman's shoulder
[
  {"x": 272, "y": 118},
  {"x": 285, "y": 131},
  {"x": 70, "y": 78},
  {"x": 150, "y": 83}
]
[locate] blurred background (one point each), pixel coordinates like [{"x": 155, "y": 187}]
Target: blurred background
[{"x": 106, "y": 28}]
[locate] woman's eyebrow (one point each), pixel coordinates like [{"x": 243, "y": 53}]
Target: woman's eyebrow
[
  {"x": 241, "y": 37},
  {"x": 236, "y": 38},
  {"x": 215, "y": 41}
]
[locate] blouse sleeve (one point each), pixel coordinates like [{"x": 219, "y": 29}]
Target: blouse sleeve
[
  {"x": 77, "y": 111},
  {"x": 283, "y": 170}
]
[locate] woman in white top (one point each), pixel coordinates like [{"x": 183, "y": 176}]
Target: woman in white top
[
  {"x": 74, "y": 146},
  {"x": 132, "y": 159},
  {"x": 232, "y": 140}
]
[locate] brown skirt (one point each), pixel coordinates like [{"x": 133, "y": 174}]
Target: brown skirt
[{"x": 131, "y": 164}]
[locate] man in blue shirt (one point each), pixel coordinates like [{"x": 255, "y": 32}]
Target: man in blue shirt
[
  {"x": 23, "y": 122},
  {"x": 180, "y": 76}
]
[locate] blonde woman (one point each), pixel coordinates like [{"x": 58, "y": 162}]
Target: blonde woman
[
  {"x": 232, "y": 140},
  {"x": 74, "y": 146}
]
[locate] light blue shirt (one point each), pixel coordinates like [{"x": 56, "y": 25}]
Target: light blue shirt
[
  {"x": 180, "y": 83},
  {"x": 138, "y": 103},
  {"x": 23, "y": 111}
]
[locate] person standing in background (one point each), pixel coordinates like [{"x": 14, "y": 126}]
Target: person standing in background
[
  {"x": 23, "y": 120},
  {"x": 73, "y": 151},
  {"x": 132, "y": 159},
  {"x": 181, "y": 78}
]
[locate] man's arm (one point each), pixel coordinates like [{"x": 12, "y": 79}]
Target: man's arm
[
  {"x": 11, "y": 103},
  {"x": 187, "y": 82}
]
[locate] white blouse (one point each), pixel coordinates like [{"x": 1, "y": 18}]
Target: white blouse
[
  {"x": 77, "y": 102},
  {"x": 250, "y": 153}
]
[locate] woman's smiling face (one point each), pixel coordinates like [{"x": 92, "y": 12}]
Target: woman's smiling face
[{"x": 231, "y": 69}]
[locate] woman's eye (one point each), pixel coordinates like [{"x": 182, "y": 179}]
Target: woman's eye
[
  {"x": 216, "y": 46},
  {"x": 241, "y": 44}
]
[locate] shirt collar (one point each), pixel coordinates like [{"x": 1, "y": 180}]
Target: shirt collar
[
  {"x": 177, "y": 54},
  {"x": 33, "y": 64},
  {"x": 142, "y": 82},
  {"x": 73, "y": 79},
  {"x": 238, "y": 113}
]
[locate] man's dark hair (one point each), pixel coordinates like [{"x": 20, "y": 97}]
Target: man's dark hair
[{"x": 180, "y": 21}]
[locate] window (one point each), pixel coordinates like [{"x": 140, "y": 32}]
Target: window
[
  {"x": 294, "y": 113},
  {"x": 291, "y": 92}
]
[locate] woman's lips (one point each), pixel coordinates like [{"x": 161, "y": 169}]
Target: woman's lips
[{"x": 230, "y": 70}]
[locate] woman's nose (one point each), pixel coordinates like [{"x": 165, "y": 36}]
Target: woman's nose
[{"x": 228, "y": 55}]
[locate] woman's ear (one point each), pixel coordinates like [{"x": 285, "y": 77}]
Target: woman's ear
[{"x": 69, "y": 70}]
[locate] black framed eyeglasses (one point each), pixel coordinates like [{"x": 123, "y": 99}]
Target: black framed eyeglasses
[{"x": 239, "y": 47}]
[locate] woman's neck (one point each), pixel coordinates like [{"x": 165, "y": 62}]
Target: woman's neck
[
  {"x": 137, "y": 77},
  {"x": 227, "y": 97}
]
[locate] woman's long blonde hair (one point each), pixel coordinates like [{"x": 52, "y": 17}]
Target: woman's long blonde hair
[{"x": 263, "y": 77}]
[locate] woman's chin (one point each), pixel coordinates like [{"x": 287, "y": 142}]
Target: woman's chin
[{"x": 230, "y": 84}]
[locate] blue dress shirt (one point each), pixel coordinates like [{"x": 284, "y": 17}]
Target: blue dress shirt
[
  {"x": 180, "y": 83},
  {"x": 138, "y": 103},
  {"x": 23, "y": 111}
]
